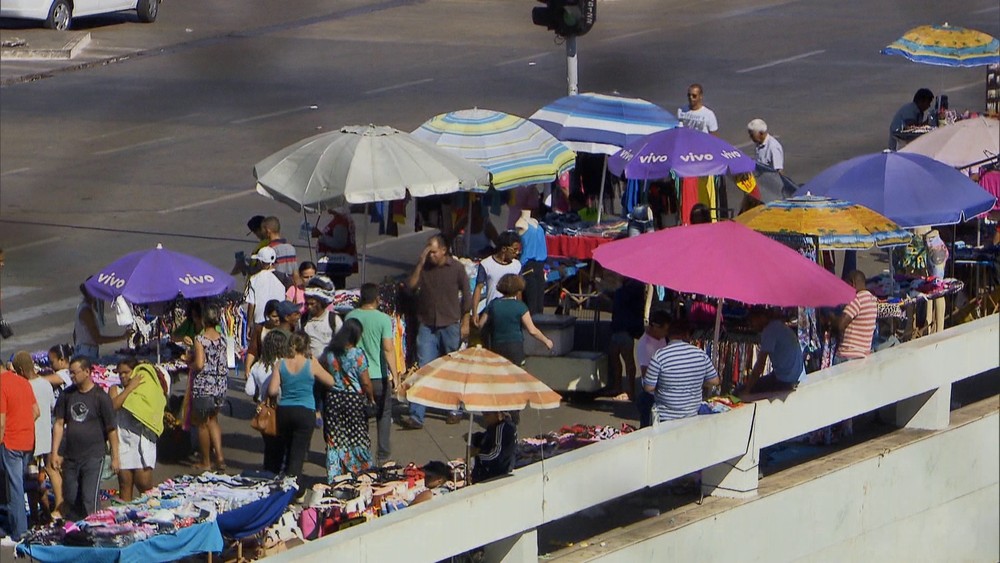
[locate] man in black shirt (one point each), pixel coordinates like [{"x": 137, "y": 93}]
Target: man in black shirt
[{"x": 85, "y": 415}]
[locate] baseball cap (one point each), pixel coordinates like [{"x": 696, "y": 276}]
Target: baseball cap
[
  {"x": 254, "y": 223},
  {"x": 265, "y": 255},
  {"x": 286, "y": 308}
]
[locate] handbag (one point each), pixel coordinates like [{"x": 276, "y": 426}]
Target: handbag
[
  {"x": 5, "y": 330},
  {"x": 265, "y": 420}
]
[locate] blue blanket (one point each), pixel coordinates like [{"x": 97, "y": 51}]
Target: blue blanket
[{"x": 200, "y": 538}]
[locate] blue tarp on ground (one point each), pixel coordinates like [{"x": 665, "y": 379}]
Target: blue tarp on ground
[{"x": 200, "y": 538}]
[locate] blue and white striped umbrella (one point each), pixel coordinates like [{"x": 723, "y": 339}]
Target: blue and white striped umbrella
[
  {"x": 602, "y": 124},
  {"x": 514, "y": 150}
]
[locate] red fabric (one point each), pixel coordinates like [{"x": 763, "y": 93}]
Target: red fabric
[
  {"x": 16, "y": 402},
  {"x": 579, "y": 247},
  {"x": 990, "y": 182},
  {"x": 689, "y": 198}
]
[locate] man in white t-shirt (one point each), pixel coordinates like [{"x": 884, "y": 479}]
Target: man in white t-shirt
[
  {"x": 264, "y": 285},
  {"x": 696, "y": 115},
  {"x": 652, "y": 340},
  {"x": 768, "y": 150}
]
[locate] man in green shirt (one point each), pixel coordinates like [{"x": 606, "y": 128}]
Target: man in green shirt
[{"x": 378, "y": 343}]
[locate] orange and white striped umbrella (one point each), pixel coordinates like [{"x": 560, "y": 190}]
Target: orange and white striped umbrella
[{"x": 480, "y": 381}]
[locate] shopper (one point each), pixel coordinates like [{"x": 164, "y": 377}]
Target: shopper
[
  {"x": 297, "y": 292},
  {"x": 59, "y": 357},
  {"x": 345, "y": 408},
  {"x": 263, "y": 286},
  {"x": 285, "y": 255},
  {"x": 274, "y": 347},
  {"x": 319, "y": 322},
  {"x": 18, "y": 412},
  {"x": 24, "y": 366},
  {"x": 677, "y": 375},
  {"x": 140, "y": 401},
  {"x": 652, "y": 340},
  {"x": 767, "y": 149},
  {"x": 779, "y": 346},
  {"x": 258, "y": 333},
  {"x": 85, "y": 417},
  {"x": 857, "y": 322},
  {"x": 209, "y": 383},
  {"x": 503, "y": 261},
  {"x": 507, "y": 319},
  {"x": 87, "y": 329},
  {"x": 292, "y": 378},
  {"x": 696, "y": 115},
  {"x": 628, "y": 303}
]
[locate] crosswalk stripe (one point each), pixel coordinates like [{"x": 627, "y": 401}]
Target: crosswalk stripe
[
  {"x": 11, "y": 291},
  {"x": 17, "y": 316},
  {"x": 28, "y": 341}
]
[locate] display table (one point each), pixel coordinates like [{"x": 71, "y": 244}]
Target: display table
[
  {"x": 193, "y": 540},
  {"x": 580, "y": 247},
  {"x": 918, "y": 292}
]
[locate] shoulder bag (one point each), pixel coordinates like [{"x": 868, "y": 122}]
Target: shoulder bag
[{"x": 265, "y": 420}]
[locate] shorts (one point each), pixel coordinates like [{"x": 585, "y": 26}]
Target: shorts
[
  {"x": 136, "y": 443},
  {"x": 205, "y": 407},
  {"x": 622, "y": 339}
]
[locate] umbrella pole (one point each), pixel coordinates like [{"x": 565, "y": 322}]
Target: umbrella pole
[
  {"x": 468, "y": 230},
  {"x": 305, "y": 219},
  {"x": 718, "y": 331},
  {"x": 468, "y": 453},
  {"x": 600, "y": 201},
  {"x": 364, "y": 247}
]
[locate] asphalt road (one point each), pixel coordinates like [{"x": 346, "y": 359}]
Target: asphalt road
[{"x": 159, "y": 146}]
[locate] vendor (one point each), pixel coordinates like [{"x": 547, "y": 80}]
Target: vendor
[
  {"x": 913, "y": 114},
  {"x": 494, "y": 449},
  {"x": 780, "y": 345}
]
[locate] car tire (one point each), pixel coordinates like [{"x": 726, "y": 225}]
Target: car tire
[
  {"x": 60, "y": 16},
  {"x": 147, "y": 10}
]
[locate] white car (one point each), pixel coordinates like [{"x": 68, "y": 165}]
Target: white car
[{"x": 58, "y": 14}]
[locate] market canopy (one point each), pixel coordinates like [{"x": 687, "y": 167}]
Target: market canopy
[
  {"x": 515, "y": 151},
  {"x": 833, "y": 223},
  {"x": 687, "y": 152},
  {"x": 961, "y": 144},
  {"x": 156, "y": 276},
  {"x": 602, "y": 124},
  {"x": 725, "y": 260},
  {"x": 946, "y": 45},
  {"x": 911, "y": 189},
  {"x": 363, "y": 164}
]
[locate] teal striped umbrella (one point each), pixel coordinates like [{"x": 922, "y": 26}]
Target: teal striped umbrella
[{"x": 514, "y": 150}]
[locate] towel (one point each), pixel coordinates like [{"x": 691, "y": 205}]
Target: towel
[{"x": 147, "y": 401}]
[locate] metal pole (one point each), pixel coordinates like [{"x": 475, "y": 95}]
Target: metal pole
[
  {"x": 571, "y": 74},
  {"x": 600, "y": 201},
  {"x": 364, "y": 247}
]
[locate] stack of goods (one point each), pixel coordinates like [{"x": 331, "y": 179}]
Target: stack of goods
[
  {"x": 568, "y": 438},
  {"x": 716, "y": 405},
  {"x": 346, "y": 300}
]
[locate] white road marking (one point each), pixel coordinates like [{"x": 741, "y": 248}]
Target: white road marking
[
  {"x": 745, "y": 145},
  {"x": 529, "y": 58},
  {"x": 269, "y": 115},
  {"x": 41, "y": 310},
  {"x": 11, "y": 291},
  {"x": 127, "y": 129},
  {"x": 398, "y": 86},
  {"x": 15, "y": 171},
  {"x": 32, "y": 339},
  {"x": 963, "y": 86},
  {"x": 628, "y": 35},
  {"x": 985, "y": 10},
  {"x": 226, "y": 197},
  {"x": 781, "y": 61},
  {"x": 136, "y": 145},
  {"x": 32, "y": 244}
]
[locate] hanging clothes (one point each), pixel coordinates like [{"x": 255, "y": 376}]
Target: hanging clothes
[{"x": 689, "y": 198}]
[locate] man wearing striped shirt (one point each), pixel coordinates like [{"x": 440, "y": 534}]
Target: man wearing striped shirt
[
  {"x": 677, "y": 374},
  {"x": 857, "y": 322}
]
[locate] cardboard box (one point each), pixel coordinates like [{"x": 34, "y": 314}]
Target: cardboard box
[
  {"x": 577, "y": 371},
  {"x": 559, "y": 329}
]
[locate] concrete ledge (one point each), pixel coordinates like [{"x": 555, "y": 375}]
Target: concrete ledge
[{"x": 43, "y": 45}]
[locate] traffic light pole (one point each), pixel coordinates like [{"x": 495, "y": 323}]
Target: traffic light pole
[{"x": 571, "y": 71}]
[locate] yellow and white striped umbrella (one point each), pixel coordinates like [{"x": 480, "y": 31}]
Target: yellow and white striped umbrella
[{"x": 479, "y": 381}]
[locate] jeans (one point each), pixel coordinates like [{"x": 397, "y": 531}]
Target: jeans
[
  {"x": 432, "y": 343},
  {"x": 14, "y": 463},
  {"x": 81, "y": 481},
  {"x": 383, "y": 418},
  {"x": 295, "y": 428},
  {"x": 534, "y": 285},
  {"x": 644, "y": 401}
]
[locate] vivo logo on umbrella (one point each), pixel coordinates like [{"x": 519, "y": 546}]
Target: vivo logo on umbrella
[
  {"x": 111, "y": 280},
  {"x": 192, "y": 279},
  {"x": 653, "y": 158},
  {"x": 691, "y": 157}
]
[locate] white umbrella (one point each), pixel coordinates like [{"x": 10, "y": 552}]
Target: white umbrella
[
  {"x": 962, "y": 144},
  {"x": 362, "y": 164}
]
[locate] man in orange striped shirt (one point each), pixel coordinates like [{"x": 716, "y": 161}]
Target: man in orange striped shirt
[{"x": 857, "y": 322}]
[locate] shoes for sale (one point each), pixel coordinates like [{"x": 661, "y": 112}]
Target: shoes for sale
[{"x": 454, "y": 419}]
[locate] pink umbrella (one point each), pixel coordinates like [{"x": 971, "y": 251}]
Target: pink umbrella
[{"x": 728, "y": 261}]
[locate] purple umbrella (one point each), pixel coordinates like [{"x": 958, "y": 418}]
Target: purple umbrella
[
  {"x": 157, "y": 275},
  {"x": 911, "y": 189},
  {"x": 687, "y": 152}
]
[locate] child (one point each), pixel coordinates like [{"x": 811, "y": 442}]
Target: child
[{"x": 507, "y": 317}]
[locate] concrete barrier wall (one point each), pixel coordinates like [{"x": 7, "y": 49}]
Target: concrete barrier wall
[
  {"x": 933, "y": 499},
  {"x": 571, "y": 482}
]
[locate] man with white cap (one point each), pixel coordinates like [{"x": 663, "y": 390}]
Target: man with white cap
[
  {"x": 769, "y": 150},
  {"x": 264, "y": 285}
]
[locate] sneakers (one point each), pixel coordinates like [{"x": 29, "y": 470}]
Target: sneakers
[
  {"x": 408, "y": 423},
  {"x": 7, "y": 541}
]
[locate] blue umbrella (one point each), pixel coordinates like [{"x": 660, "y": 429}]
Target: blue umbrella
[
  {"x": 157, "y": 275},
  {"x": 687, "y": 152},
  {"x": 601, "y": 124},
  {"x": 911, "y": 189}
]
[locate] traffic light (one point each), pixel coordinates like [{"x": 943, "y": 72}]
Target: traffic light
[
  {"x": 566, "y": 17},
  {"x": 551, "y": 16}
]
